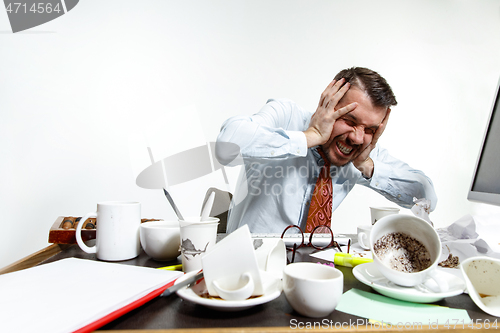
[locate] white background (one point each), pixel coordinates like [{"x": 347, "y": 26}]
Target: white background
[{"x": 81, "y": 96}]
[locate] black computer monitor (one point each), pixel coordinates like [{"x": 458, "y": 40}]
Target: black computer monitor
[{"x": 485, "y": 186}]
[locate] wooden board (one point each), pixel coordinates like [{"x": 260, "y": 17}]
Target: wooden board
[
  {"x": 64, "y": 228},
  {"x": 34, "y": 259}
]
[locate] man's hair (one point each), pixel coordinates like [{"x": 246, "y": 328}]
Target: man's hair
[{"x": 374, "y": 85}]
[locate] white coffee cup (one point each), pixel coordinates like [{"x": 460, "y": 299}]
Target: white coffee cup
[
  {"x": 379, "y": 212},
  {"x": 117, "y": 231},
  {"x": 230, "y": 268},
  {"x": 364, "y": 236},
  {"x": 197, "y": 238},
  {"x": 418, "y": 229},
  {"x": 312, "y": 289},
  {"x": 161, "y": 239}
]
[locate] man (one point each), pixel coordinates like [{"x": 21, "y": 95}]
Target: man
[{"x": 284, "y": 148}]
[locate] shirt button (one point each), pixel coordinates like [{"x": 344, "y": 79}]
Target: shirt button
[
  {"x": 399, "y": 195},
  {"x": 298, "y": 151},
  {"x": 272, "y": 152},
  {"x": 376, "y": 184}
]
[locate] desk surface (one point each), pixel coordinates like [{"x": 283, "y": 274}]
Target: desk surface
[{"x": 166, "y": 313}]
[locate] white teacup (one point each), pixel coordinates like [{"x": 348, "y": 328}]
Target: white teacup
[
  {"x": 364, "y": 236},
  {"x": 312, "y": 289},
  {"x": 230, "y": 268},
  {"x": 421, "y": 231},
  {"x": 117, "y": 231},
  {"x": 377, "y": 213},
  {"x": 161, "y": 239}
]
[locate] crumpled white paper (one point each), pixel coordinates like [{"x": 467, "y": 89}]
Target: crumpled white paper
[
  {"x": 461, "y": 240},
  {"x": 422, "y": 209}
]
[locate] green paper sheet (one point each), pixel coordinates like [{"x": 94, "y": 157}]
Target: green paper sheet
[{"x": 400, "y": 313}]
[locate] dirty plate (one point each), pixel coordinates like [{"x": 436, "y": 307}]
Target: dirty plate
[
  {"x": 370, "y": 275},
  {"x": 198, "y": 294}
]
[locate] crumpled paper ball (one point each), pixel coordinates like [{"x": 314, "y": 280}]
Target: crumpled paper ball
[{"x": 422, "y": 209}]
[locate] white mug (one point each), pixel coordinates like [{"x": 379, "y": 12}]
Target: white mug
[
  {"x": 377, "y": 213},
  {"x": 419, "y": 230},
  {"x": 312, "y": 289},
  {"x": 364, "y": 236},
  {"x": 117, "y": 231}
]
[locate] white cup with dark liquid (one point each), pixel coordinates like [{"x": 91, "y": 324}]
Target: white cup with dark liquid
[{"x": 406, "y": 250}]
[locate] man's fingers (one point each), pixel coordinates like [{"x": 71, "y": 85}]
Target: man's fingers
[
  {"x": 330, "y": 91},
  {"x": 346, "y": 109},
  {"x": 325, "y": 92},
  {"x": 337, "y": 93},
  {"x": 339, "y": 113},
  {"x": 381, "y": 127},
  {"x": 386, "y": 118},
  {"x": 358, "y": 156}
]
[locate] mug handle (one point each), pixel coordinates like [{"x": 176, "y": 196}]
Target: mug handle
[
  {"x": 276, "y": 259},
  {"x": 361, "y": 236},
  {"x": 78, "y": 234},
  {"x": 239, "y": 294},
  {"x": 441, "y": 283}
]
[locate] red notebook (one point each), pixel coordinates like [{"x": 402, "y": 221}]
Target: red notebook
[{"x": 120, "y": 312}]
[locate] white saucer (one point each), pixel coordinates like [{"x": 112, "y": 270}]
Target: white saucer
[
  {"x": 370, "y": 275},
  {"x": 193, "y": 293}
]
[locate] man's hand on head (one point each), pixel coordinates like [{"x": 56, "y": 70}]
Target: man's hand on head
[
  {"x": 363, "y": 162},
  {"x": 322, "y": 121}
]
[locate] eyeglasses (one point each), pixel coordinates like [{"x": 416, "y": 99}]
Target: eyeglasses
[{"x": 318, "y": 239}]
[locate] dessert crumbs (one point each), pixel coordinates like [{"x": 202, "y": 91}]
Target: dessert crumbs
[
  {"x": 402, "y": 252},
  {"x": 450, "y": 262},
  {"x": 205, "y": 294}
]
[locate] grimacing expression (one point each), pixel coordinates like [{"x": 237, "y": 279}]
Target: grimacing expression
[{"x": 354, "y": 131}]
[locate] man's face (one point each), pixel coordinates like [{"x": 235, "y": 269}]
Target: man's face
[{"x": 354, "y": 131}]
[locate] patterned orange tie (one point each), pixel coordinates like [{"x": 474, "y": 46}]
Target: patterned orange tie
[{"x": 320, "y": 210}]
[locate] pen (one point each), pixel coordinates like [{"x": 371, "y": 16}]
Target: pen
[
  {"x": 347, "y": 260},
  {"x": 187, "y": 282},
  {"x": 172, "y": 268}
]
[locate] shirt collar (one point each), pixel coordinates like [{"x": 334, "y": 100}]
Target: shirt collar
[{"x": 317, "y": 157}]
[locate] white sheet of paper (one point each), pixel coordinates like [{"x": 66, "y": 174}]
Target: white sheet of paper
[
  {"x": 68, "y": 294},
  {"x": 401, "y": 314}
]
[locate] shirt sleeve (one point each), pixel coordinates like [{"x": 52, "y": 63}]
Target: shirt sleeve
[
  {"x": 397, "y": 181},
  {"x": 275, "y": 132}
]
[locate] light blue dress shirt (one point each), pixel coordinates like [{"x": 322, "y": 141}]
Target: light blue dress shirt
[{"x": 279, "y": 175}]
